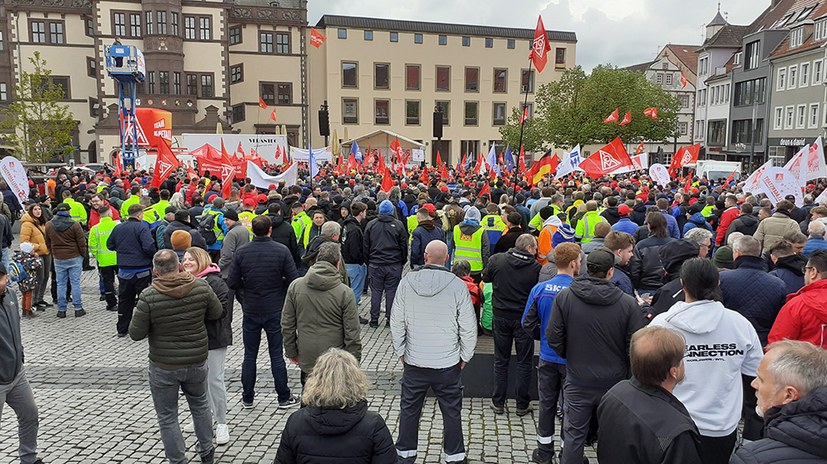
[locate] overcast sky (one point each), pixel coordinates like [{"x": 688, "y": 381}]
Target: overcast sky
[{"x": 621, "y": 32}]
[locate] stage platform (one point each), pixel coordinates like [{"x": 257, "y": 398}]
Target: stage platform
[{"x": 478, "y": 375}]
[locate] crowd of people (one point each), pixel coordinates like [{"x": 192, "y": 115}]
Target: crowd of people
[{"x": 677, "y": 324}]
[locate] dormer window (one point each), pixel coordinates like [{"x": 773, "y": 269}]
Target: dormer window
[
  {"x": 820, "y": 31},
  {"x": 796, "y": 37}
]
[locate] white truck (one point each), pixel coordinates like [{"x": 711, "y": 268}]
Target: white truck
[{"x": 714, "y": 170}]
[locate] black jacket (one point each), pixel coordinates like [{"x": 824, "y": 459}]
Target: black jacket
[
  {"x": 638, "y": 214},
  {"x": 385, "y": 241},
  {"x": 645, "y": 425},
  {"x": 426, "y": 232},
  {"x": 591, "y": 325},
  {"x": 351, "y": 435},
  {"x": 283, "y": 233},
  {"x": 794, "y": 434},
  {"x": 513, "y": 274},
  {"x": 197, "y": 238},
  {"x": 611, "y": 214},
  {"x": 352, "y": 241},
  {"x": 220, "y": 331},
  {"x": 11, "y": 343},
  {"x": 645, "y": 269},
  {"x": 263, "y": 269},
  {"x": 747, "y": 224},
  {"x": 133, "y": 243},
  {"x": 508, "y": 240}
]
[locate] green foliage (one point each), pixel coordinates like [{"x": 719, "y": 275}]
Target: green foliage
[
  {"x": 571, "y": 110},
  {"x": 35, "y": 122}
]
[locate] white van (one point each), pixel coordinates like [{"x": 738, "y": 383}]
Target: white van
[{"x": 714, "y": 170}]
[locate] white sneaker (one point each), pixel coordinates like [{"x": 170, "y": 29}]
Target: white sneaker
[
  {"x": 222, "y": 434},
  {"x": 190, "y": 427}
]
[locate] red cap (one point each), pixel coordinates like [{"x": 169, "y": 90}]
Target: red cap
[
  {"x": 404, "y": 186},
  {"x": 430, "y": 208},
  {"x": 249, "y": 202},
  {"x": 352, "y": 182},
  {"x": 272, "y": 187},
  {"x": 262, "y": 198},
  {"x": 444, "y": 188},
  {"x": 624, "y": 210}
]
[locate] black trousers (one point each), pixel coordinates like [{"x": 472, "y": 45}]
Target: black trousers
[
  {"x": 54, "y": 285},
  {"x": 128, "y": 291},
  {"x": 506, "y": 332},
  {"x": 108, "y": 275},
  {"x": 383, "y": 278},
  {"x": 550, "y": 379},
  {"x": 579, "y": 408},
  {"x": 447, "y": 386},
  {"x": 717, "y": 450}
]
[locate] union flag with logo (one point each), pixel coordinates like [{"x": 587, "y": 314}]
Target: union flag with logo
[
  {"x": 606, "y": 160},
  {"x": 165, "y": 163}
]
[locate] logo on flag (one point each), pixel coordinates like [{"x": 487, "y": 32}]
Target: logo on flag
[
  {"x": 607, "y": 161},
  {"x": 687, "y": 157},
  {"x": 164, "y": 167},
  {"x": 540, "y": 47},
  {"x": 316, "y": 38}
]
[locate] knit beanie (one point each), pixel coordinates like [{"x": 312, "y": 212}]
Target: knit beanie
[
  {"x": 723, "y": 258},
  {"x": 386, "y": 208},
  {"x": 564, "y": 234},
  {"x": 181, "y": 240}
]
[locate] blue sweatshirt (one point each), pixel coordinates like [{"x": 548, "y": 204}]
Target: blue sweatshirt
[{"x": 538, "y": 312}]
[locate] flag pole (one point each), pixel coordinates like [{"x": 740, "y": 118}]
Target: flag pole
[{"x": 522, "y": 126}]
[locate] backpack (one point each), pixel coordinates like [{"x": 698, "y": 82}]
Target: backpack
[{"x": 206, "y": 227}]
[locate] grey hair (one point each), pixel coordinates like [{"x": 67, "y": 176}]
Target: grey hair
[
  {"x": 524, "y": 241},
  {"x": 699, "y": 236},
  {"x": 165, "y": 262},
  {"x": 730, "y": 241},
  {"x": 336, "y": 381},
  {"x": 330, "y": 228},
  {"x": 329, "y": 252},
  {"x": 218, "y": 202},
  {"x": 816, "y": 229},
  {"x": 747, "y": 246},
  {"x": 798, "y": 364}
]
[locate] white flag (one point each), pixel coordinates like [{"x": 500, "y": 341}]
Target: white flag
[
  {"x": 14, "y": 174},
  {"x": 796, "y": 165},
  {"x": 776, "y": 183},
  {"x": 569, "y": 163},
  {"x": 816, "y": 166},
  {"x": 262, "y": 180},
  {"x": 492, "y": 159},
  {"x": 752, "y": 185}
]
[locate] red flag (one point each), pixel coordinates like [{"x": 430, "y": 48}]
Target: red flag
[
  {"x": 486, "y": 190},
  {"x": 687, "y": 155},
  {"x": 278, "y": 154},
  {"x": 480, "y": 164},
  {"x": 165, "y": 163},
  {"x": 438, "y": 159},
  {"x": 191, "y": 172},
  {"x": 381, "y": 163},
  {"x": 461, "y": 167},
  {"x": 639, "y": 149},
  {"x": 522, "y": 159},
  {"x": 387, "y": 180},
  {"x": 606, "y": 160},
  {"x": 540, "y": 47},
  {"x": 316, "y": 38},
  {"x": 261, "y": 103},
  {"x": 688, "y": 183},
  {"x": 492, "y": 175},
  {"x": 424, "y": 178},
  {"x": 684, "y": 82},
  {"x": 118, "y": 165},
  {"x": 443, "y": 172},
  {"x": 524, "y": 116},
  {"x": 227, "y": 172},
  {"x": 651, "y": 113},
  {"x": 731, "y": 176},
  {"x": 613, "y": 117},
  {"x": 273, "y": 115},
  {"x": 396, "y": 149},
  {"x": 626, "y": 119},
  {"x": 351, "y": 163},
  {"x": 240, "y": 150}
]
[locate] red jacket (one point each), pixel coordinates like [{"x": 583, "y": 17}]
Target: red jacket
[
  {"x": 95, "y": 217},
  {"x": 727, "y": 217},
  {"x": 804, "y": 316},
  {"x": 474, "y": 290}
]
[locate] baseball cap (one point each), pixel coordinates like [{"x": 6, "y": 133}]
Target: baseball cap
[
  {"x": 63, "y": 207},
  {"x": 601, "y": 260},
  {"x": 3, "y": 270},
  {"x": 231, "y": 214},
  {"x": 262, "y": 198},
  {"x": 624, "y": 210},
  {"x": 170, "y": 210},
  {"x": 251, "y": 202},
  {"x": 430, "y": 208}
]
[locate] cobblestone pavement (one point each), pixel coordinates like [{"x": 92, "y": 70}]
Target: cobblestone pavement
[{"x": 95, "y": 406}]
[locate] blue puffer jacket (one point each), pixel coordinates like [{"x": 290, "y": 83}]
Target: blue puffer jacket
[
  {"x": 813, "y": 244},
  {"x": 751, "y": 291},
  {"x": 425, "y": 233},
  {"x": 696, "y": 220},
  {"x": 133, "y": 243}
]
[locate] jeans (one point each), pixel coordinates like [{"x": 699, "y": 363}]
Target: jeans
[
  {"x": 383, "y": 278},
  {"x": 357, "y": 274},
  {"x": 43, "y": 278},
  {"x": 216, "y": 389},
  {"x": 506, "y": 332},
  {"x": 447, "y": 386},
  {"x": 128, "y": 291},
  {"x": 581, "y": 404},
  {"x": 164, "y": 385},
  {"x": 252, "y": 325},
  {"x": 107, "y": 277},
  {"x": 18, "y": 395},
  {"x": 69, "y": 270},
  {"x": 550, "y": 378}
]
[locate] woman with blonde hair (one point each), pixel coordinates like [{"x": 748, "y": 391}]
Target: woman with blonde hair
[
  {"x": 335, "y": 425},
  {"x": 197, "y": 262}
]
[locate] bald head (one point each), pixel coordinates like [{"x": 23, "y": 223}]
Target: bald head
[{"x": 436, "y": 253}]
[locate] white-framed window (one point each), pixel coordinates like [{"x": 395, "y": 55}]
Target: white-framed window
[
  {"x": 801, "y": 117},
  {"x": 796, "y": 37},
  {"x": 779, "y": 118},
  {"x": 737, "y": 59},
  {"x": 817, "y": 67},
  {"x": 782, "y": 79},
  {"x": 814, "y": 111},
  {"x": 669, "y": 79},
  {"x": 726, "y": 93},
  {"x": 821, "y": 29},
  {"x": 789, "y": 117},
  {"x": 659, "y": 78},
  {"x": 700, "y": 134},
  {"x": 792, "y": 74},
  {"x": 804, "y": 80}
]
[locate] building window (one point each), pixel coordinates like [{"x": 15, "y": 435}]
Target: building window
[
  {"x": 236, "y": 73},
  {"x": 469, "y": 146},
  {"x": 350, "y": 75},
  {"x": 174, "y": 22},
  {"x": 265, "y": 42},
  {"x": 751, "y": 92},
  {"x": 511, "y": 44},
  {"x": 284, "y": 93},
  {"x": 472, "y": 110},
  {"x": 4, "y": 91},
  {"x": 779, "y": 118},
  {"x": 443, "y": 78},
  {"x": 498, "y": 112},
  {"x": 341, "y": 33},
  {"x": 702, "y": 66},
  {"x": 751, "y": 56},
  {"x": 466, "y": 41},
  {"x": 135, "y": 25},
  {"x": 527, "y": 81},
  {"x": 443, "y": 40},
  {"x": 792, "y": 73},
  {"x": 163, "y": 82},
  {"x": 500, "y": 80},
  {"x": 350, "y": 111},
  {"x": 814, "y": 110},
  {"x": 162, "y": 22},
  {"x": 192, "y": 85},
  {"x": 381, "y": 76},
  {"x": 716, "y": 135},
  {"x": 394, "y": 37},
  {"x": 801, "y": 117},
  {"x": 412, "y": 112},
  {"x": 238, "y": 113},
  {"x": 683, "y": 128},
  {"x": 267, "y": 90},
  {"x": 489, "y": 42},
  {"x": 207, "y": 86},
  {"x": 205, "y": 28},
  {"x": 151, "y": 82},
  {"x": 659, "y": 78},
  {"x": 37, "y": 31},
  {"x": 368, "y": 35},
  {"x": 119, "y": 24},
  {"x": 148, "y": 15},
  {"x": 91, "y": 67},
  {"x": 89, "y": 27},
  {"x": 235, "y": 35},
  {"x": 412, "y": 77},
  {"x": 189, "y": 27},
  {"x": 817, "y": 65},
  {"x": 282, "y": 43},
  {"x": 797, "y": 37},
  {"x": 804, "y": 80},
  {"x": 668, "y": 78},
  {"x": 789, "y": 117},
  {"x": 382, "y": 111},
  {"x": 418, "y": 39},
  {"x": 684, "y": 99},
  {"x": 820, "y": 29},
  {"x": 781, "y": 80},
  {"x": 472, "y": 79},
  {"x": 560, "y": 57},
  {"x": 176, "y": 82},
  {"x": 742, "y": 131},
  {"x": 445, "y": 108}
]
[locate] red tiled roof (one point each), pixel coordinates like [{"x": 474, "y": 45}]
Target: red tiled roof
[{"x": 686, "y": 54}]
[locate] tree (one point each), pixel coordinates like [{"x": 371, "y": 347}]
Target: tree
[
  {"x": 571, "y": 111},
  {"x": 35, "y": 122}
]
